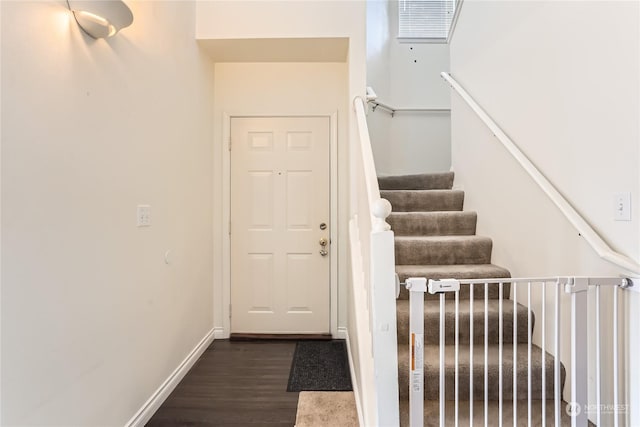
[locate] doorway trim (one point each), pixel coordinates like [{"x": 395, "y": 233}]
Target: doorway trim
[{"x": 226, "y": 218}]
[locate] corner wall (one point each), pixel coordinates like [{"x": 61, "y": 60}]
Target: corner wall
[
  {"x": 406, "y": 75},
  {"x": 562, "y": 80},
  {"x": 379, "y": 78},
  {"x": 93, "y": 319}
]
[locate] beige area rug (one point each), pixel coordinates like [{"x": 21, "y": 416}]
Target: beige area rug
[{"x": 326, "y": 408}]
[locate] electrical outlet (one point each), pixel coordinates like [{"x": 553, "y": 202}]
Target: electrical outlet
[
  {"x": 622, "y": 206},
  {"x": 144, "y": 216}
]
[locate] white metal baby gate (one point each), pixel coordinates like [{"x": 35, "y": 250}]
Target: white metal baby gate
[{"x": 577, "y": 300}]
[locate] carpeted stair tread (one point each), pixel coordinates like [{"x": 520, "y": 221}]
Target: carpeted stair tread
[
  {"x": 433, "y": 223},
  {"x": 432, "y": 321},
  {"x": 424, "y": 200},
  {"x": 443, "y": 250},
  {"x": 425, "y": 181},
  {"x": 435, "y": 239},
  {"x": 458, "y": 271},
  {"x": 432, "y": 368},
  {"x": 432, "y": 413}
]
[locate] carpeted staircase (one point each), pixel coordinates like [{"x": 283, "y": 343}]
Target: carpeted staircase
[{"x": 435, "y": 239}]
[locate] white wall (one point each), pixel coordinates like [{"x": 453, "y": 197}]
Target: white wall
[
  {"x": 562, "y": 80},
  {"x": 408, "y": 142},
  {"x": 93, "y": 320},
  {"x": 379, "y": 78},
  {"x": 296, "y": 88},
  {"x": 284, "y": 89},
  {"x": 277, "y": 19}
]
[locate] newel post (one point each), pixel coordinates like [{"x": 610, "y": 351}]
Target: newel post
[
  {"x": 383, "y": 303},
  {"x": 380, "y": 210}
]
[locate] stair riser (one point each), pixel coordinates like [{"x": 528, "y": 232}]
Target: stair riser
[
  {"x": 436, "y": 224},
  {"x": 417, "y": 182},
  {"x": 432, "y": 328},
  {"x": 432, "y": 382},
  {"x": 419, "y": 252},
  {"x": 421, "y": 201}
]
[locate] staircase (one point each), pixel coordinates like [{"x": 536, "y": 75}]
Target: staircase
[{"x": 436, "y": 239}]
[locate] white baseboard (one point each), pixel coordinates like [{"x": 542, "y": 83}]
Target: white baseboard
[
  {"x": 341, "y": 333},
  {"x": 149, "y": 408},
  {"x": 219, "y": 334},
  {"x": 354, "y": 383}
]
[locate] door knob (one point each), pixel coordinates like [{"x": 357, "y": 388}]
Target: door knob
[
  {"x": 323, "y": 252},
  {"x": 323, "y": 242}
]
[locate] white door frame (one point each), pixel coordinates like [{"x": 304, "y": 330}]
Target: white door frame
[{"x": 226, "y": 216}]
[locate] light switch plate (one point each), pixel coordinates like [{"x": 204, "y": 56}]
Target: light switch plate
[
  {"x": 144, "y": 216},
  {"x": 622, "y": 206}
]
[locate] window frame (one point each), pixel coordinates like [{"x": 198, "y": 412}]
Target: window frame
[{"x": 428, "y": 40}]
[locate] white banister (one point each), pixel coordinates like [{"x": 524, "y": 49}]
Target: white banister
[
  {"x": 596, "y": 242},
  {"x": 368, "y": 165},
  {"x": 373, "y": 281}
]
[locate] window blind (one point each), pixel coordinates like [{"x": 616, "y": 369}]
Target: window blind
[{"x": 427, "y": 19}]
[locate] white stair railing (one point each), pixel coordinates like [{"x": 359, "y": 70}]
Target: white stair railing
[
  {"x": 394, "y": 110},
  {"x": 374, "y": 289},
  {"x": 596, "y": 242},
  {"x": 578, "y": 409}
]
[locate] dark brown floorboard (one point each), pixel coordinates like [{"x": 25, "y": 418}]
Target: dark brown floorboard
[{"x": 234, "y": 384}]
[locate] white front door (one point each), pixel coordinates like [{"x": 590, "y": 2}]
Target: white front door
[{"x": 280, "y": 278}]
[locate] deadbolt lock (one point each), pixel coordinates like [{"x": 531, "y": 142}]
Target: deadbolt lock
[{"x": 323, "y": 226}]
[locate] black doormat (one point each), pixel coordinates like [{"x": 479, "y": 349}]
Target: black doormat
[{"x": 320, "y": 366}]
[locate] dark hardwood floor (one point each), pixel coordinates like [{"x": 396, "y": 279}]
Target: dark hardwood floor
[{"x": 234, "y": 384}]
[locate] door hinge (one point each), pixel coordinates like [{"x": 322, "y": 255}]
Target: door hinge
[
  {"x": 229, "y": 143},
  {"x": 229, "y": 227},
  {"x": 229, "y": 311}
]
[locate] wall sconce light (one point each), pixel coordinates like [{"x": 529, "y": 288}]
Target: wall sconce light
[{"x": 101, "y": 18}]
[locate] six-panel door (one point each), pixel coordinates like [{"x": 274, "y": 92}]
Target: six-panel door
[{"x": 279, "y": 203}]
